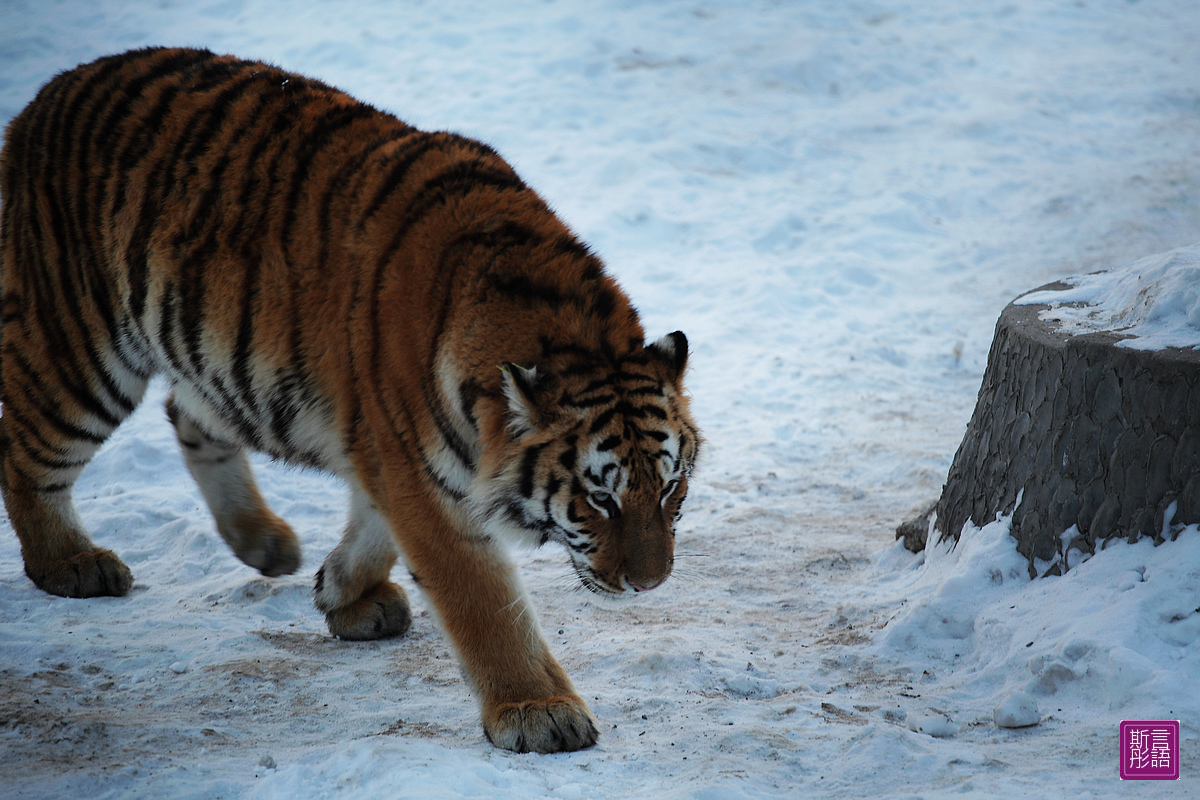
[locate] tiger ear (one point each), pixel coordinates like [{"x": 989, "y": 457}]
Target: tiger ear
[
  {"x": 527, "y": 394},
  {"x": 672, "y": 351}
]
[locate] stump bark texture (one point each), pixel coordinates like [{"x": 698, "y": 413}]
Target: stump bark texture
[{"x": 1098, "y": 441}]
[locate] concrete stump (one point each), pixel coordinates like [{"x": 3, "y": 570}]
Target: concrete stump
[{"x": 1098, "y": 441}]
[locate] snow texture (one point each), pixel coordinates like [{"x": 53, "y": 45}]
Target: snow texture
[
  {"x": 1018, "y": 709},
  {"x": 834, "y": 201},
  {"x": 1155, "y": 301}
]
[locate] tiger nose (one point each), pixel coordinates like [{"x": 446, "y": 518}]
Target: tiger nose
[{"x": 645, "y": 587}]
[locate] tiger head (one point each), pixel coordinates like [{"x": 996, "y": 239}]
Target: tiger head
[{"x": 598, "y": 458}]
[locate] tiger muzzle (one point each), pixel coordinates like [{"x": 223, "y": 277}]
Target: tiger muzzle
[{"x": 649, "y": 551}]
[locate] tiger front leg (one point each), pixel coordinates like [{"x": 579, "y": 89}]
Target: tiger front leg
[
  {"x": 353, "y": 589},
  {"x": 528, "y": 703}
]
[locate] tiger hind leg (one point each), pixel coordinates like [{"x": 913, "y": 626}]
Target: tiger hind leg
[
  {"x": 60, "y": 557},
  {"x": 353, "y": 589},
  {"x": 257, "y": 536},
  {"x": 48, "y": 434}
]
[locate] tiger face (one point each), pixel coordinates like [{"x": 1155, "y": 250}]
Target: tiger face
[{"x": 599, "y": 460}]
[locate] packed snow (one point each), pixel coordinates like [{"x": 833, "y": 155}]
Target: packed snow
[
  {"x": 1155, "y": 301},
  {"x": 834, "y": 200}
]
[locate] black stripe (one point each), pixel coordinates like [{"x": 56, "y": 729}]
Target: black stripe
[
  {"x": 590, "y": 402},
  {"x": 521, "y": 287},
  {"x": 157, "y": 186},
  {"x": 460, "y": 178},
  {"x": 598, "y": 383},
  {"x": 473, "y": 145},
  {"x": 107, "y": 132},
  {"x": 396, "y": 176},
  {"x": 314, "y": 142},
  {"x": 137, "y": 147},
  {"x": 607, "y": 468},
  {"x": 193, "y": 286},
  {"x": 32, "y": 429},
  {"x": 550, "y": 349},
  {"x": 652, "y": 411},
  {"x": 74, "y": 257},
  {"x": 552, "y": 486},
  {"x": 529, "y": 460},
  {"x": 569, "y": 245},
  {"x": 257, "y": 198},
  {"x": 463, "y": 177},
  {"x": 242, "y": 348},
  {"x": 44, "y": 461},
  {"x": 134, "y": 149},
  {"x": 251, "y": 233},
  {"x": 602, "y": 420},
  {"x": 282, "y": 406},
  {"x": 506, "y": 236},
  {"x": 75, "y": 385},
  {"x": 32, "y": 480},
  {"x": 205, "y": 126},
  {"x": 166, "y": 316},
  {"x": 625, "y": 376},
  {"x": 402, "y": 422},
  {"x": 579, "y": 368},
  {"x": 684, "y": 441},
  {"x": 629, "y": 412},
  {"x": 192, "y": 282},
  {"x": 469, "y": 391},
  {"x": 450, "y": 437},
  {"x": 441, "y": 299},
  {"x": 437, "y": 480},
  {"x": 603, "y": 303},
  {"x": 223, "y": 397},
  {"x": 609, "y": 443},
  {"x": 51, "y": 412},
  {"x": 592, "y": 269},
  {"x": 132, "y": 349},
  {"x": 576, "y": 492},
  {"x": 341, "y": 179}
]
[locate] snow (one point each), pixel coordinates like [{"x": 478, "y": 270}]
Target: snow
[
  {"x": 834, "y": 201},
  {"x": 1155, "y": 301},
  {"x": 1017, "y": 710}
]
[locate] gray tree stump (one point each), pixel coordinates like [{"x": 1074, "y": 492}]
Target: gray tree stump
[{"x": 1099, "y": 441}]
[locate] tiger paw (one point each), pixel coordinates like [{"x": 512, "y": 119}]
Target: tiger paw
[
  {"x": 267, "y": 543},
  {"x": 381, "y": 612},
  {"x": 554, "y": 725},
  {"x": 92, "y": 573}
]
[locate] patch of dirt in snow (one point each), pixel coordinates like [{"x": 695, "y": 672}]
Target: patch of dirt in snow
[{"x": 265, "y": 691}]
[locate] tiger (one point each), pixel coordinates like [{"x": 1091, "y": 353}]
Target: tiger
[{"x": 321, "y": 282}]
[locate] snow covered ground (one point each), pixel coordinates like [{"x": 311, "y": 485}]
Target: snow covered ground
[{"x": 834, "y": 200}]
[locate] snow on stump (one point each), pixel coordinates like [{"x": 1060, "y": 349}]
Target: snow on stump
[{"x": 1089, "y": 415}]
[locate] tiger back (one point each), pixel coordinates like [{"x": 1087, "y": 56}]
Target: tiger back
[{"x": 324, "y": 283}]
